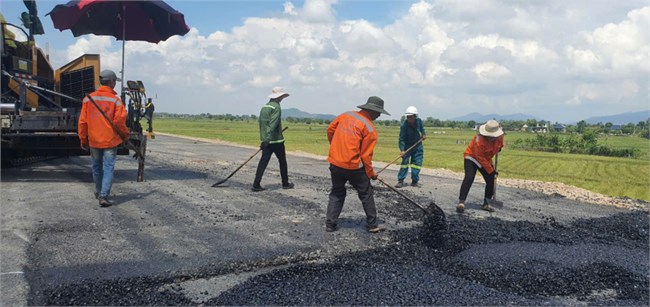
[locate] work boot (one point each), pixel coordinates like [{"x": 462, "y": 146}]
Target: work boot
[
  {"x": 415, "y": 184},
  {"x": 104, "y": 202},
  {"x": 330, "y": 228},
  {"x": 96, "y": 195},
  {"x": 488, "y": 203},
  {"x": 460, "y": 208},
  {"x": 400, "y": 184},
  {"x": 487, "y": 208},
  {"x": 289, "y": 185},
  {"x": 375, "y": 229},
  {"x": 258, "y": 188}
]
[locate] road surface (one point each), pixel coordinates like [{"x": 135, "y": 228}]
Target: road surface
[{"x": 175, "y": 240}]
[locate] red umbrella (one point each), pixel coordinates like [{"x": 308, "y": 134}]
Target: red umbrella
[{"x": 151, "y": 21}]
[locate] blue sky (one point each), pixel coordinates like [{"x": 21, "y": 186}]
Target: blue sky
[{"x": 556, "y": 60}]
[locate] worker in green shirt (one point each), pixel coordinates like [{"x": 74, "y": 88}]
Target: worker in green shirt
[{"x": 272, "y": 139}]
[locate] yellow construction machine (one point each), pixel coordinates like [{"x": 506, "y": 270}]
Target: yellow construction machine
[{"x": 40, "y": 106}]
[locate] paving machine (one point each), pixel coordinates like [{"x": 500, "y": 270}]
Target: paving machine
[{"x": 40, "y": 106}]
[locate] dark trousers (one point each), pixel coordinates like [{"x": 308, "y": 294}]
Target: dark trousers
[
  {"x": 278, "y": 150},
  {"x": 470, "y": 173},
  {"x": 360, "y": 181}
]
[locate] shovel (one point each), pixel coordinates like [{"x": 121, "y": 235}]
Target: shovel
[
  {"x": 495, "y": 202},
  {"x": 242, "y": 165}
]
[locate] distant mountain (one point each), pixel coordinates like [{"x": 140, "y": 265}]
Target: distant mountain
[
  {"x": 620, "y": 119},
  {"x": 480, "y": 118},
  {"x": 296, "y": 113}
]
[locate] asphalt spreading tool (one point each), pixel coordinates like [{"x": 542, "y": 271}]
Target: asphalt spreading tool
[
  {"x": 400, "y": 156},
  {"x": 435, "y": 221},
  {"x": 218, "y": 184},
  {"x": 495, "y": 202}
]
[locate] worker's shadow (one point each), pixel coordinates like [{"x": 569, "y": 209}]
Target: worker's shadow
[
  {"x": 354, "y": 223},
  {"x": 129, "y": 199},
  {"x": 54, "y": 170},
  {"x": 153, "y": 173}
]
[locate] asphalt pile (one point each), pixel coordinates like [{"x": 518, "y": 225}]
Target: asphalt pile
[
  {"x": 412, "y": 273},
  {"x": 599, "y": 261}
]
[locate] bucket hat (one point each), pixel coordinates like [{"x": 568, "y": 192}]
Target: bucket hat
[
  {"x": 491, "y": 128},
  {"x": 374, "y": 103},
  {"x": 108, "y": 75},
  {"x": 277, "y": 92}
]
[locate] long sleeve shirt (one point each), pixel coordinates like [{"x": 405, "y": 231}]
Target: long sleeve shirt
[
  {"x": 271, "y": 123},
  {"x": 480, "y": 150},
  {"x": 409, "y": 135},
  {"x": 352, "y": 138},
  {"x": 93, "y": 128}
]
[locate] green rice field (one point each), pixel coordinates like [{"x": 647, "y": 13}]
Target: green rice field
[{"x": 620, "y": 177}]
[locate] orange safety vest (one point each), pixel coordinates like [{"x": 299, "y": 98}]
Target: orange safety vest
[
  {"x": 352, "y": 138},
  {"x": 481, "y": 151},
  {"x": 94, "y": 128}
]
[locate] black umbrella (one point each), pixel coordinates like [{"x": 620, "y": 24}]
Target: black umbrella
[{"x": 151, "y": 21}]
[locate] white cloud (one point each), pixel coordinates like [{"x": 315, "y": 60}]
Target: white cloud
[
  {"x": 318, "y": 11},
  {"x": 448, "y": 58},
  {"x": 621, "y": 49},
  {"x": 491, "y": 72},
  {"x": 525, "y": 51}
]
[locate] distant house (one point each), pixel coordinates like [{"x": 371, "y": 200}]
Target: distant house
[
  {"x": 559, "y": 128},
  {"x": 524, "y": 128},
  {"x": 540, "y": 129},
  {"x": 616, "y": 128}
]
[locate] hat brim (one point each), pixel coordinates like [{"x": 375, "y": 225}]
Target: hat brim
[
  {"x": 373, "y": 107},
  {"x": 483, "y": 132},
  {"x": 108, "y": 79},
  {"x": 277, "y": 95}
]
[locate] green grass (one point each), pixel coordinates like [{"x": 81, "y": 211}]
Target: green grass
[{"x": 444, "y": 149}]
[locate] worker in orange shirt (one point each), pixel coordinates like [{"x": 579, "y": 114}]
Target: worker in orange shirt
[
  {"x": 352, "y": 138},
  {"x": 97, "y": 134},
  {"x": 478, "y": 156}
]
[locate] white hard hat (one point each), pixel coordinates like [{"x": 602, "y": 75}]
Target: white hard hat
[{"x": 411, "y": 111}]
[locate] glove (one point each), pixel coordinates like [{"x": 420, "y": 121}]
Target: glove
[
  {"x": 495, "y": 174},
  {"x": 264, "y": 144},
  {"x": 374, "y": 176},
  {"x": 401, "y": 154},
  {"x": 84, "y": 145}
]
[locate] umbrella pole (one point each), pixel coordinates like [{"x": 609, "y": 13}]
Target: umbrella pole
[{"x": 123, "y": 41}]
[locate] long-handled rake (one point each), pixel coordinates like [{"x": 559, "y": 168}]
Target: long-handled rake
[{"x": 218, "y": 184}]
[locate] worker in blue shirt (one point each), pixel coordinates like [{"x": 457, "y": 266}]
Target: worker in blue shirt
[{"x": 411, "y": 132}]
